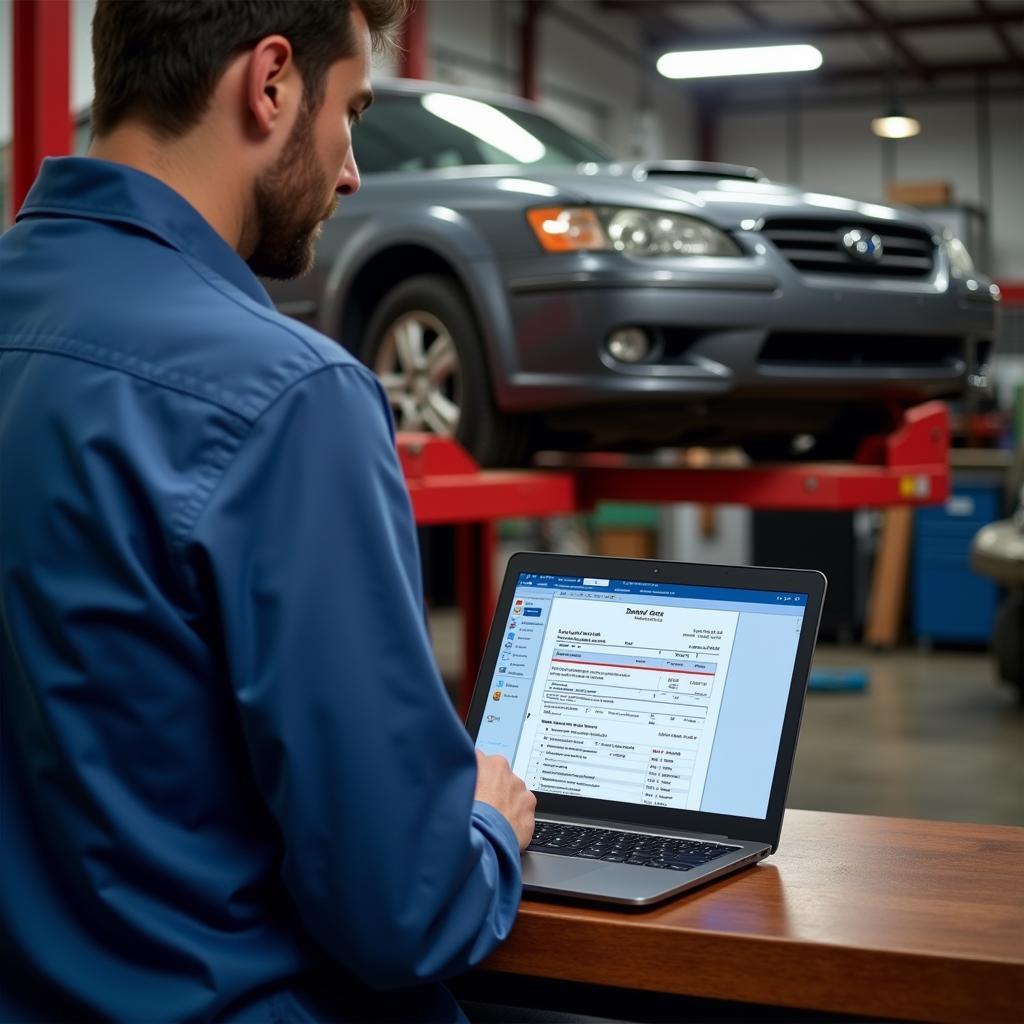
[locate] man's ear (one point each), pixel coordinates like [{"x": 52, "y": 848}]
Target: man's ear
[{"x": 272, "y": 83}]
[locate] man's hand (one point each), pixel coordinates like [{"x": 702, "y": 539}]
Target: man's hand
[{"x": 507, "y": 794}]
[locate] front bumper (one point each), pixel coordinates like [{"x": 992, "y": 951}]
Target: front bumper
[{"x": 745, "y": 327}]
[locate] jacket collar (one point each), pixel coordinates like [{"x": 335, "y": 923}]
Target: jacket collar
[{"x": 75, "y": 186}]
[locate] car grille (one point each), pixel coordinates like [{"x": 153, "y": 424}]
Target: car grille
[
  {"x": 816, "y": 245},
  {"x": 796, "y": 348}
]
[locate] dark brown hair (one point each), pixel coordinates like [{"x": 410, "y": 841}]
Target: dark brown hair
[{"x": 160, "y": 60}]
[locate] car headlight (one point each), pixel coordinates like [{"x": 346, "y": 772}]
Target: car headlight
[
  {"x": 629, "y": 231},
  {"x": 960, "y": 262}
]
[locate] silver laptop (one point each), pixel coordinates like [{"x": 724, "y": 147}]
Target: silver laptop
[{"x": 653, "y": 707}]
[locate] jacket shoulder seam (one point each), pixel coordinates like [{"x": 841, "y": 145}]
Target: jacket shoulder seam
[
  {"x": 172, "y": 380},
  {"x": 192, "y": 510},
  {"x": 253, "y": 309}
]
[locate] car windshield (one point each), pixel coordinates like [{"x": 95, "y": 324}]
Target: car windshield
[{"x": 439, "y": 129}]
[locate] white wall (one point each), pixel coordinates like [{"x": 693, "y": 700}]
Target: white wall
[
  {"x": 757, "y": 141},
  {"x": 838, "y": 155},
  {"x": 81, "y": 53},
  {"x": 600, "y": 91},
  {"x": 1008, "y": 188}
]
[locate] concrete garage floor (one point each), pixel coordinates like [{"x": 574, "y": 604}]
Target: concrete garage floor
[{"x": 934, "y": 735}]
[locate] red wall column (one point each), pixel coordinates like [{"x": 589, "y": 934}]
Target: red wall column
[
  {"x": 528, "y": 82},
  {"x": 414, "y": 43},
  {"x": 707, "y": 129},
  {"x": 42, "y": 89}
]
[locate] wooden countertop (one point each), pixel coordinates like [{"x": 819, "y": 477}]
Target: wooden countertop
[{"x": 887, "y": 917}]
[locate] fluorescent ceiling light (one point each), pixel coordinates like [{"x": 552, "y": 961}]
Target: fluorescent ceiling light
[
  {"x": 486, "y": 123},
  {"x": 748, "y": 60},
  {"x": 896, "y": 126}
]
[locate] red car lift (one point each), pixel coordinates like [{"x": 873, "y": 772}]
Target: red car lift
[{"x": 908, "y": 467}]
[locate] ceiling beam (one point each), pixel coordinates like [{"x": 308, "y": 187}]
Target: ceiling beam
[
  {"x": 775, "y": 102},
  {"x": 608, "y": 42},
  {"x": 822, "y": 84},
  {"x": 1010, "y": 48},
  {"x": 655, "y": 28},
  {"x": 752, "y": 15},
  {"x": 889, "y": 30},
  {"x": 662, "y": 40},
  {"x": 1001, "y": 16},
  {"x": 870, "y": 74}
]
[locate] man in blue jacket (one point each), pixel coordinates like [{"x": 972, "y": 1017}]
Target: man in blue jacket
[{"x": 232, "y": 784}]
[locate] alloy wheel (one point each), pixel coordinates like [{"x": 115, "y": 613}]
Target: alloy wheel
[{"x": 418, "y": 364}]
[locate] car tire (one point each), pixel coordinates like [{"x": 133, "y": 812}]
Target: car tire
[{"x": 423, "y": 343}]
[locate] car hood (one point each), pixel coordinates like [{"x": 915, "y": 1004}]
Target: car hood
[{"x": 723, "y": 194}]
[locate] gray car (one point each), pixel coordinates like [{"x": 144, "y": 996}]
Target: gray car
[{"x": 515, "y": 287}]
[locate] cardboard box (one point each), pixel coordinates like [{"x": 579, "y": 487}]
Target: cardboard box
[
  {"x": 625, "y": 542},
  {"x": 920, "y": 193}
]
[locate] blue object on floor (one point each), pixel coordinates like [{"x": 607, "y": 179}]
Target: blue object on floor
[
  {"x": 839, "y": 679},
  {"x": 951, "y": 602}
]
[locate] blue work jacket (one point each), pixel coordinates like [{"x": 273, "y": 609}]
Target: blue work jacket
[{"x": 233, "y": 786}]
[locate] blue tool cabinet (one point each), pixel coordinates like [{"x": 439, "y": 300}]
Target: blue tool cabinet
[{"x": 951, "y": 603}]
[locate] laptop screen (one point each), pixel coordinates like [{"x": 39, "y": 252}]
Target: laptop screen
[{"x": 656, "y": 694}]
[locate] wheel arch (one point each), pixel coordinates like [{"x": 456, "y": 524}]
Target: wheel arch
[
  {"x": 357, "y": 284},
  {"x": 382, "y": 272}
]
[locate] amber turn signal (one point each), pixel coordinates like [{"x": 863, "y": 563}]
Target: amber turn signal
[{"x": 567, "y": 228}]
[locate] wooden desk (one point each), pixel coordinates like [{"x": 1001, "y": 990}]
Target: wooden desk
[{"x": 884, "y": 917}]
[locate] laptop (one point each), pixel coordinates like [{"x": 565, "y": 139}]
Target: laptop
[{"x": 653, "y": 708}]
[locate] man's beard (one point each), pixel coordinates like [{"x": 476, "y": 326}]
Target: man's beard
[{"x": 289, "y": 207}]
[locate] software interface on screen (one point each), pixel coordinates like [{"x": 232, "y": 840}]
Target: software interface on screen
[{"x": 644, "y": 693}]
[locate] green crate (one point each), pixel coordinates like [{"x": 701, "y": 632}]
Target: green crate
[{"x": 625, "y": 515}]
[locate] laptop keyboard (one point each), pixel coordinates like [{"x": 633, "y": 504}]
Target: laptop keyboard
[{"x": 624, "y": 847}]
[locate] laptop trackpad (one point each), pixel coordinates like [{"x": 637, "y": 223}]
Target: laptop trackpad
[{"x": 557, "y": 871}]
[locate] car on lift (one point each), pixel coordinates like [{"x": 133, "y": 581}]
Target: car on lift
[{"x": 515, "y": 287}]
